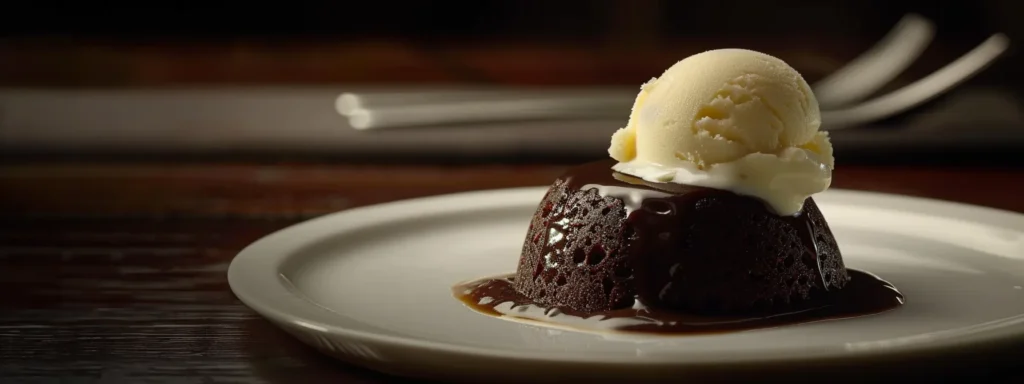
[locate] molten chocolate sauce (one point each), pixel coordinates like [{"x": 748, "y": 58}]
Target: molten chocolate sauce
[
  {"x": 661, "y": 216},
  {"x": 864, "y": 294}
]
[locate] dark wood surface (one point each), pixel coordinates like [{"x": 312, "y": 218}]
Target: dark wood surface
[
  {"x": 116, "y": 273},
  {"x": 75, "y": 62}
]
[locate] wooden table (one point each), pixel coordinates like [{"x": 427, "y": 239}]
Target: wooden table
[{"x": 116, "y": 272}]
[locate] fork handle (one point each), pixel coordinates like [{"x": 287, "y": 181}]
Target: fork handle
[{"x": 488, "y": 111}]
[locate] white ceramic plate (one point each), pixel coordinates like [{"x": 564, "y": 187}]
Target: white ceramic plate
[{"x": 372, "y": 286}]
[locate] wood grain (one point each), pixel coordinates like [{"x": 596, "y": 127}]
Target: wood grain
[
  {"x": 105, "y": 62},
  {"x": 116, "y": 272}
]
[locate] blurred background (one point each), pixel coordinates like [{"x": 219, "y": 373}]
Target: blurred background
[{"x": 260, "y": 80}]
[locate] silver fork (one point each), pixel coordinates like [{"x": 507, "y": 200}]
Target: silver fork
[
  {"x": 861, "y": 77},
  {"x": 877, "y": 66}
]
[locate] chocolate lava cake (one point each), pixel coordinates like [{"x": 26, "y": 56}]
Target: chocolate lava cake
[{"x": 602, "y": 240}]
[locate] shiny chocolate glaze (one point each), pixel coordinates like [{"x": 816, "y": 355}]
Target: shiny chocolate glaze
[
  {"x": 864, "y": 294},
  {"x": 607, "y": 243}
]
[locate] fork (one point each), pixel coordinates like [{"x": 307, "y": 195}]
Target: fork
[{"x": 856, "y": 80}]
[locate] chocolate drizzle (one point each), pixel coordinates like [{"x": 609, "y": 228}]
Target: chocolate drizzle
[
  {"x": 864, "y": 294},
  {"x": 602, "y": 242}
]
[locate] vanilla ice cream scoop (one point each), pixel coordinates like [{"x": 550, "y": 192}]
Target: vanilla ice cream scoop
[{"x": 730, "y": 119}]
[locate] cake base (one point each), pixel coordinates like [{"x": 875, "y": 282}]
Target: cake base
[{"x": 601, "y": 241}]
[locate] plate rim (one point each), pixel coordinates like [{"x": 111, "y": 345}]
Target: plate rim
[{"x": 266, "y": 308}]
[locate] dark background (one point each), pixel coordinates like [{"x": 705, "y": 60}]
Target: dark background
[
  {"x": 570, "y": 20},
  {"x": 344, "y": 44},
  {"x": 827, "y": 32}
]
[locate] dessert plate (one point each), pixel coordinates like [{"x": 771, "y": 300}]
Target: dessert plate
[{"x": 372, "y": 286}]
